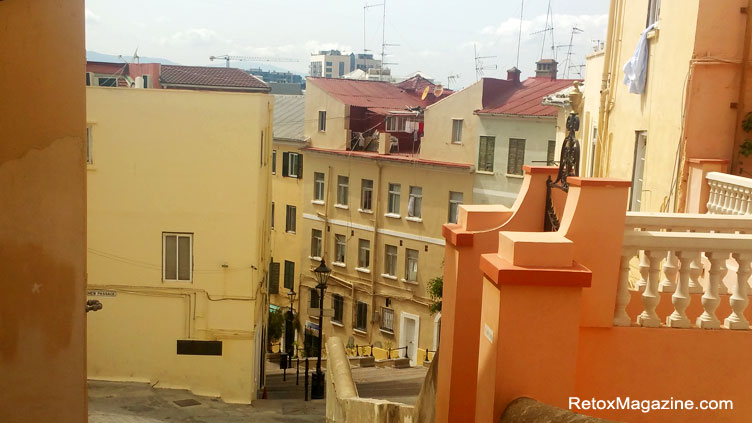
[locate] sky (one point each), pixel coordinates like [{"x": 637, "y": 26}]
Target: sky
[{"x": 438, "y": 37}]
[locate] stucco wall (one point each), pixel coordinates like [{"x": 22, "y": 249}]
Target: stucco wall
[
  {"x": 337, "y": 118},
  {"x": 43, "y": 218},
  {"x": 178, "y": 161}
]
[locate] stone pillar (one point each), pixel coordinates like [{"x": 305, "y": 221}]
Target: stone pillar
[{"x": 697, "y": 186}]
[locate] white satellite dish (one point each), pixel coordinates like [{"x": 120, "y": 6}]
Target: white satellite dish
[{"x": 438, "y": 90}]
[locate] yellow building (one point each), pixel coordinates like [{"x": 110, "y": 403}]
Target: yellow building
[
  {"x": 373, "y": 209},
  {"x": 694, "y": 98},
  {"x": 178, "y": 238},
  {"x": 287, "y": 191}
]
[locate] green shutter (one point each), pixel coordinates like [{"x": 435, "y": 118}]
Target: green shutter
[
  {"x": 285, "y": 164},
  {"x": 300, "y": 166},
  {"x": 274, "y": 278},
  {"x": 289, "y": 274}
]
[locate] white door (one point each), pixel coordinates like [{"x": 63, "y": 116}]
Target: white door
[{"x": 409, "y": 327}]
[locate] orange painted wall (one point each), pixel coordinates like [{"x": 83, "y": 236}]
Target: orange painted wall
[{"x": 43, "y": 218}]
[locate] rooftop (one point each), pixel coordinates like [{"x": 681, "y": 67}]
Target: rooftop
[
  {"x": 289, "y": 117},
  {"x": 504, "y": 97},
  {"x": 377, "y": 96},
  {"x": 210, "y": 77}
]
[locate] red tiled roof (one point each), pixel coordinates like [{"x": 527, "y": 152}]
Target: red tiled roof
[
  {"x": 107, "y": 68},
  {"x": 375, "y": 95},
  {"x": 412, "y": 159},
  {"x": 207, "y": 76},
  {"x": 501, "y": 97}
]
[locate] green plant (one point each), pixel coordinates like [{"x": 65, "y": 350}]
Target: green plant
[
  {"x": 275, "y": 325},
  {"x": 745, "y": 149},
  {"x": 435, "y": 289}
]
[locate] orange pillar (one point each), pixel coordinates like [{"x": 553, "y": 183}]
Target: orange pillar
[
  {"x": 475, "y": 234},
  {"x": 42, "y": 212}
]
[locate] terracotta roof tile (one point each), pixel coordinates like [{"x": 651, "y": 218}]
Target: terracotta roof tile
[
  {"x": 375, "y": 95},
  {"x": 207, "y": 76}
]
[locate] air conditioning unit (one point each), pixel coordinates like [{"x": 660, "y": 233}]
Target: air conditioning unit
[{"x": 91, "y": 80}]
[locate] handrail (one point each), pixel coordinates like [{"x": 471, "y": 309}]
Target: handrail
[{"x": 687, "y": 221}]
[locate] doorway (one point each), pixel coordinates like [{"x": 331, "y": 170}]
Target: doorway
[
  {"x": 409, "y": 331},
  {"x": 638, "y": 171}
]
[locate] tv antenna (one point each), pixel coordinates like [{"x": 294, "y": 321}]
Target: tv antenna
[
  {"x": 365, "y": 50},
  {"x": 548, "y": 28},
  {"x": 568, "y": 60},
  {"x": 384, "y": 44},
  {"x": 479, "y": 66},
  {"x": 452, "y": 78}
]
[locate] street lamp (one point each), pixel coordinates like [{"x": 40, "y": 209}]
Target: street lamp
[{"x": 317, "y": 386}]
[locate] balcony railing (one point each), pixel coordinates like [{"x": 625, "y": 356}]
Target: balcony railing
[
  {"x": 729, "y": 194},
  {"x": 387, "y": 319},
  {"x": 679, "y": 242}
]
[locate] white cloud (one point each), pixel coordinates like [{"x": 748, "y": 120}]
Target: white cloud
[
  {"x": 195, "y": 37},
  {"x": 91, "y": 17}
]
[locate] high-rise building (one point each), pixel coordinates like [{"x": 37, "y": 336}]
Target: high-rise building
[{"x": 334, "y": 64}]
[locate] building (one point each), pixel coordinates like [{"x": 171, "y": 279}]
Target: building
[
  {"x": 499, "y": 126},
  {"x": 286, "y": 83},
  {"x": 178, "y": 230},
  {"x": 43, "y": 218},
  {"x": 334, "y": 64},
  {"x": 373, "y": 208},
  {"x": 686, "y": 111},
  {"x": 287, "y": 198}
]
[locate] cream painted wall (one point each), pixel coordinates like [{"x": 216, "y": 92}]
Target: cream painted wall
[
  {"x": 499, "y": 187},
  {"x": 589, "y": 116},
  {"x": 371, "y": 287},
  {"x": 336, "y": 135},
  {"x": 178, "y": 161},
  {"x": 657, "y": 111},
  {"x": 437, "y": 142}
]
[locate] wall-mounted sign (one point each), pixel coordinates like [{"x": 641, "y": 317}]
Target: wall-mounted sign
[{"x": 101, "y": 293}]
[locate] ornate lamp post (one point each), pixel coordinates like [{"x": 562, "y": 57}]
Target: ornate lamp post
[
  {"x": 322, "y": 274},
  {"x": 289, "y": 332}
]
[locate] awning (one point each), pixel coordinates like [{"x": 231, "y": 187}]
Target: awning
[{"x": 272, "y": 307}]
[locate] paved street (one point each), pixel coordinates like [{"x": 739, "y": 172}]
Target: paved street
[{"x": 120, "y": 402}]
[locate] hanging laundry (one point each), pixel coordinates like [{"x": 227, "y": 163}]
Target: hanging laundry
[{"x": 635, "y": 70}]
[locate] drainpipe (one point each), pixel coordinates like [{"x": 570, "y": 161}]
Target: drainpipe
[
  {"x": 374, "y": 262},
  {"x": 736, "y": 163},
  {"x": 605, "y": 90}
]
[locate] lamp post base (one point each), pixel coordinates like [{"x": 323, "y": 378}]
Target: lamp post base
[{"x": 317, "y": 386}]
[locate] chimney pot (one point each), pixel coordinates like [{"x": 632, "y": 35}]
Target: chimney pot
[{"x": 513, "y": 74}]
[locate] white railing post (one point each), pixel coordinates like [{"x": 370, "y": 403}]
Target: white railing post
[
  {"x": 621, "y": 318},
  {"x": 681, "y": 298},
  {"x": 711, "y": 299},
  {"x": 712, "y": 204},
  {"x": 695, "y": 270},
  {"x": 651, "y": 297},
  {"x": 739, "y": 299},
  {"x": 668, "y": 284},
  {"x": 729, "y": 194},
  {"x": 644, "y": 267}
]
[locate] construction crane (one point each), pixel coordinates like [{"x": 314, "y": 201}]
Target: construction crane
[{"x": 227, "y": 59}]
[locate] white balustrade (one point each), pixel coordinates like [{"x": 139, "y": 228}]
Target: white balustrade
[
  {"x": 670, "y": 248},
  {"x": 729, "y": 194}
]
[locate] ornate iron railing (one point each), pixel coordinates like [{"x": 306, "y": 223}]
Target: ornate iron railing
[{"x": 569, "y": 165}]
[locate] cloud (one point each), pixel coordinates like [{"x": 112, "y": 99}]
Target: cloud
[
  {"x": 195, "y": 37},
  {"x": 91, "y": 17},
  {"x": 314, "y": 46}
]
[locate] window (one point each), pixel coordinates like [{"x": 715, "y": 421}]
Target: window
[
  {"x": 366, "y": 194},
  {"x": 551, "y": 153},
  {"x": 318, "y": 186},
  {"x": 654, "y": 12},
  {"x": 177, "y": 256},
  {"x": 395, "y": 123},
  {"x": 361, "y": 317},
  {"x": 455, "y": 199},
  {"x": 516, "y": 157},
  {"x": 89, "y": 153},
  {"x": 457, "y": 131},
  {"x": 329, "y": 64},
  {"x": 343, "y": 189},
  {"x": 314, "y": 299},
  {"x": 289, "y": 274},
  {"x": 364, "y": 253},
  {"x": 274, "y": 162},
  {"x": 394, "y": 199},
  {"x": 486, "y": 154},
  {"x": 322, "y": 120},
  {"x": 411, "y": 265},
  {"x": 338, "y": 304},
  {"x": 413, "y": 203},
  {"x": 274, "y": 278},
  {"x": 390, "y": 260},
  {"x": 272, "y": 215},
  {"x": 316, "y": 239},
  {"x": 107, "y": 82},
  {"x": 340, "y": 245},
  {"x": 341, "y": 68},
  {"x": 261, "y": 153},
  {"x": 292, "y": 165},
  {"x": 387, "y": 319},
  {"x": 290, "y": 219}
]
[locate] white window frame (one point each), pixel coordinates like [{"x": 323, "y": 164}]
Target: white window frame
[
  {"x": 340, "y": 243},
  {"x": 317, "y": 240},
  {"x": 654, "y": 12},
  {"x": 408, "y": 260},
  {"x": 364, "y": 253},
  {"x": 178, "y": 235},
  {"x": 363, "y": 190},
  {"x": 292, "y": 164},
  {"x": 390, "y": 267},
  {"x": 322, "y": 120},
  {"x": 288, "y": 225},
  {"x": 343, "y": 190},
  {"x": 415, "y": 198},
  {"x": 319, "y": 187},
  {"x": 454, "y": 206},
  {"x": 89, "y": 145},
  {"x": 457, "y": 131},
  {"x": 396, "y": 123},
  {"x": 393, "y": 205}
]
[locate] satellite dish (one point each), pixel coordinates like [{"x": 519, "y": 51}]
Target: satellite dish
[
  {"x": 425, "y": 93},
  {"x": 438, "y": 90}
]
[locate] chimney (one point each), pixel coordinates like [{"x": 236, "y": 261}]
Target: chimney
[
  {"x": 546, "y": 68},
  {"x": 513, "y": 74}
]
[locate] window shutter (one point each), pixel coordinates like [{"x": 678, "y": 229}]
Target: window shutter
[
  {"x": 285, "y": 164},
  {"x": 300, "y": 166},
  {"x": 274, "y": 278},
  {"x": 289, "y": 274}
]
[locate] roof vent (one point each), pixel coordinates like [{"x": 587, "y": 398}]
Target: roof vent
[
  {"x": 546, "y": 68},
  {"x": 513, "y": 74}
]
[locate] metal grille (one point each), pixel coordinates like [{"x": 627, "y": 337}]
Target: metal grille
[{"x": 387, "y": 319}]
